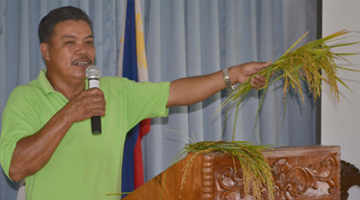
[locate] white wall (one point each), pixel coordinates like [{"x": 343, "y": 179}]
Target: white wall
[
  {"x": 21, "y": 194},
  {"x": 340, "y": 124}
]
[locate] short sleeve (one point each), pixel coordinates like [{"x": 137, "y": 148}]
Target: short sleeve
[{"x": 19, "y": 120}]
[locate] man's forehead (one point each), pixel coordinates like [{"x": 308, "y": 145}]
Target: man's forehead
[
  {"x": 70, "y": 28},
  {"x": 73, "y": 23}
]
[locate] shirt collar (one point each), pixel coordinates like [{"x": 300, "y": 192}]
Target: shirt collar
[{"x": 45, "y": 84}]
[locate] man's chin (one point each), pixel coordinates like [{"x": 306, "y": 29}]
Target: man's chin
[{"x": 80, "y": 70}]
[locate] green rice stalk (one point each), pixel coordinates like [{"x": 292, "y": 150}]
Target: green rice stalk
[
  {"x": 312, "y": 63},
  {"x": 255, "y": 169}
]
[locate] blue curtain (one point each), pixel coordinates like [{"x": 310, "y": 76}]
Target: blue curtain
[
  {"x": 183, "y": 38},
  {"x": 189, "y": 38}
]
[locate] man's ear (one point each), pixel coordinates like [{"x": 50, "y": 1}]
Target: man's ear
[{"x": 44, "y": 48}]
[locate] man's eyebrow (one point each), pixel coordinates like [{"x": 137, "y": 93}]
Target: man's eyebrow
[
  {"x": 72, "y": 36},
  {"x": 67, "y": 36},
  {"x": 90, "y": 36}
]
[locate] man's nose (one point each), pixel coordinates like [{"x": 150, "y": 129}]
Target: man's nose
[{"x": 81, "y": 48}]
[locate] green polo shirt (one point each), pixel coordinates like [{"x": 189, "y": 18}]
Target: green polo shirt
[{"x": 84, "y": 166}]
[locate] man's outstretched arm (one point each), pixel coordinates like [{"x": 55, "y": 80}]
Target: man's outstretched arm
[{"x": 187, "y": 91}]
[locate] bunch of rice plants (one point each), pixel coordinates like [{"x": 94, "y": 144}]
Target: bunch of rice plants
[
  {"x": 312, "y": 63},
  {"x": 255, "y": 169}
]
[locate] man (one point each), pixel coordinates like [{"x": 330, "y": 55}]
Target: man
[{"x": 46, "y": 136}]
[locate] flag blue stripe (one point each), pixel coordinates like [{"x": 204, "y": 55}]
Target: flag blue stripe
[
  {"x": 130, "y": 72},
  {"x": 130, "y": 61}
]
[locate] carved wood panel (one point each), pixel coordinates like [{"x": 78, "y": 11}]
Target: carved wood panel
[
  {"x": 297, "y": 175},
  {"x": 300, "y": 173}
]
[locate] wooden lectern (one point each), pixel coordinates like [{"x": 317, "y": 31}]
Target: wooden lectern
[{"x": 301, "y": 173}]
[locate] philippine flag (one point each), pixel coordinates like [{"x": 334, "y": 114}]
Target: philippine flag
[{"x": 133, "y": 65}]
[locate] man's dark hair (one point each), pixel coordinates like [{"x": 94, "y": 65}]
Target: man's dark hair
[{"x": 47, "y": 24}]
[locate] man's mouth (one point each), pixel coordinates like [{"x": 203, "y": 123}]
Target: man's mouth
[{"x": 82, "y": 62}]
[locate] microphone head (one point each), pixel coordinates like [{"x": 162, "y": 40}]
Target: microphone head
[{"x": 93, "y": 72}]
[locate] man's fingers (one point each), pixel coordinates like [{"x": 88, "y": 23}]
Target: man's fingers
[
  {"x": 87, "y": 104},
  {"x": 97, "y": 112},
  {"x": 94, "y": 95},
  {"x": 263, "y": 65},
  {"x": 94, "y": 92},
  {"x": 258, "y": 81},
  {"x": 96, "y": 104},
  {"x": 247, "y": 70}
]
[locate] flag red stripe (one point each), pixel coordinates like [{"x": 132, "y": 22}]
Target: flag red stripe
[{"x": 138, "y": 161}]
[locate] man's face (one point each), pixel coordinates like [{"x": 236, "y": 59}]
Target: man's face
[{"x": 69, "y": 52}]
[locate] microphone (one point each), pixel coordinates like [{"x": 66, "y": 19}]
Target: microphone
[{"x": 93, "y": 74}]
